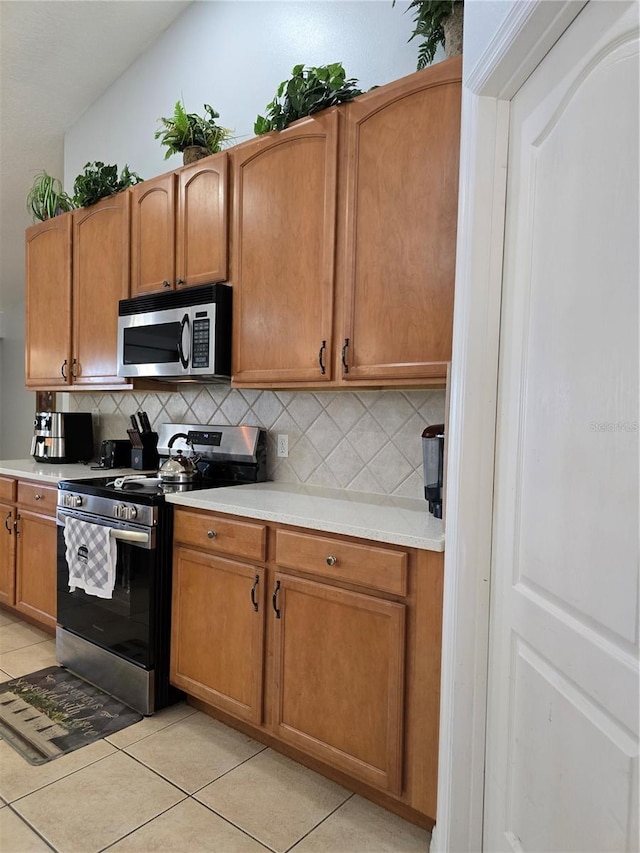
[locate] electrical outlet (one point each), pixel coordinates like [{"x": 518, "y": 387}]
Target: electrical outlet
[{"x": 283, "y": 445}]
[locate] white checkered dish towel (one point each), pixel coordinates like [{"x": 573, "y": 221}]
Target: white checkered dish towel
[{"x": 91, "y": 557}]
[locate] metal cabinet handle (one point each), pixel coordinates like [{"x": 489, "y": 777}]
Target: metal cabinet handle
[
  {"x": 62, "y": 373},
  {"x": 345, "y": 366},
  {"x": 179, "y": 281},
  {"x": 211, "y": 534},
  {"x": 7, "y": 526},
  {"x": 38, "y": 496},
  {"x": 274, "y": 599},
  {"x": 323, "y": 369},
  {"x": 166, "y": 283},
  {"x": 331, "y": 560},
  {"x": 256, "y": 581},
  {"x": 15, "y": 526},
  {"x": 74, "y": 375}
]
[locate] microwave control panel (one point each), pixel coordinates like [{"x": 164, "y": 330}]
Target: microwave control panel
[{"x": 201, "y": 334}]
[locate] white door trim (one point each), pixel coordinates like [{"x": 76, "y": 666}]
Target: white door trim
[{"x": 526, "y": 35}]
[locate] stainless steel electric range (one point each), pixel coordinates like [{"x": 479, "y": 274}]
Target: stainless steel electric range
[{"x": 121, "y": 642}]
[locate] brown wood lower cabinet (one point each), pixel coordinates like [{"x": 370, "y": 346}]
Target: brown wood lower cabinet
[
  {"x": 217, "y": 632},
  {"x": 313, "y": 647},
  {"x": 7, "y": 554},
  {"x": 28, "y": 549},
  {"x": 339, "y": 678},
  {"x": 35, "y": 567}
]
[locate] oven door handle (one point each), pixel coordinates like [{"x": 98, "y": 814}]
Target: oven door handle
[{"x": 129, "y": 536}]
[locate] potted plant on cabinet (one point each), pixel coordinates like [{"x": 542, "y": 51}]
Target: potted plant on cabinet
[
  {"x": 46, "y": 198},
  {"x": 100, "y": 180},
  {"x": 437, "y": 22},
  {"x": 193, "y": 135},
  {"x": 308, "y": 91}
]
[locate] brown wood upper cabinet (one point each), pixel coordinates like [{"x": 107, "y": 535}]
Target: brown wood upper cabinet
[
  {"x": 48, "y": 302},
  {"x": 179, "y": 227},
  {"x": 399, "y": 247},
  {"x": 77, "y": 268},
  {"x": 285, "y": 187},
  {"x": 344, "y": 236}
]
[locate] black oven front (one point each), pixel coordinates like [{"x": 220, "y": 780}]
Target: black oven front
[{"x": 121, "y": 643}]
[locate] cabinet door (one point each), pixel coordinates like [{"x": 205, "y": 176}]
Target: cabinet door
[
  {"x": 283, "y": 254},
  {"x": 100, "y": 279},
  {"x": 202, "y": 223},
  {"x": 36, "y": 567},
  {"x": 48, "y": 308},
  {"x": 339, "y": 678},
  {"x": 402, "y": 199},
  {"x": 217, "y": 632},
  {"x": 153, "y": 250},
  {"x": 7, "y": 555}
]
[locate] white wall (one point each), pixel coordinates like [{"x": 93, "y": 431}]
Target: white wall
[
  {"x": 482, "y": 19},
  {"x": 17, "y": 406},
  {"x": 233, "y": 55}
]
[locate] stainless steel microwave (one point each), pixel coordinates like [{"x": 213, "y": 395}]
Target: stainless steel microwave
[{"x": 183, "y": 335}]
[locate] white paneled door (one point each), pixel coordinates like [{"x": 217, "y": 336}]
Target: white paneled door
[{"x": 562, "y": 737}]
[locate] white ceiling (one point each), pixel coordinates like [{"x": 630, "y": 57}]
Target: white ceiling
[{"x": 56, "y": 58}]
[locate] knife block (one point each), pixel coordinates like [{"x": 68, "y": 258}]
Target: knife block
[{"x": 145, "y": 457}]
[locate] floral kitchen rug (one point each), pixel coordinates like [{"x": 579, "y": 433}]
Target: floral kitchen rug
[{"x": 50, "y": 712}]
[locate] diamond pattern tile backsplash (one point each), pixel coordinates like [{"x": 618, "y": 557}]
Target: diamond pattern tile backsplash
[{"x": 368, "y": 441}]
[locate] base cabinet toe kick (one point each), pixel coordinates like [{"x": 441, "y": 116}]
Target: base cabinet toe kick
[{"x": 324, "y": 646}]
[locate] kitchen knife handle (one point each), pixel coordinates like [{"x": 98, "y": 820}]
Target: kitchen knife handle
[{"x": 134, "y": 423}]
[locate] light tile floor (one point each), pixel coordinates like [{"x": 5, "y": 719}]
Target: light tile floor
[{"x": 177, "y": 781}]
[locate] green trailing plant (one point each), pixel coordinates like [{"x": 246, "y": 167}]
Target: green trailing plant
[
  {"x": 46, "y": 198},
  {"x": 428, "y": 26},
  {"x": 99, "y": 180},
  {"x": 184, "y": 130},
  {"x": 308, "y": 91}
]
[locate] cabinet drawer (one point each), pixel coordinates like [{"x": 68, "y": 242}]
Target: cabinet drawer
[
  {"x": 38, "y": 497},
  {"x": 7, "y": 489},
  {"x": 220, "y": 535},
  {"x": 367, "y": 565}
]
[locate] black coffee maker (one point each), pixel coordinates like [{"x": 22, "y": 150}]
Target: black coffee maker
[{"x": 433, "y": 463}]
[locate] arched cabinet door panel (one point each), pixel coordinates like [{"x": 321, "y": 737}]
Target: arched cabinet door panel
[
  {"x": 48, "y": 252},
  {"x": 284, "y": 253}
]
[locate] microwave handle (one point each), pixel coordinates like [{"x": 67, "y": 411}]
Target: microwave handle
[{"x": 184, "y": 361}]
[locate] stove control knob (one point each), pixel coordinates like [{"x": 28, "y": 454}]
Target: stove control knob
[
  {"x": 125, "y": 512},
  {"x": 77, "y": 500}
]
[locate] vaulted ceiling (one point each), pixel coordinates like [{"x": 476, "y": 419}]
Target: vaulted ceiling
[{"x": 56, "y": 58}]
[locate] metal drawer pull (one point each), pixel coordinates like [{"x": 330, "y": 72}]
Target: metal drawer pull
[
  {"x": 211, "y": 534},
  {"x": 345, "y": 366},
  {"x": 129, "y": 535},
  {"x": 166, "y": 283},
  {"x": 274, "y": 600},
  {"x": 38, "y": 497},
  {"x": 323, "y": 369},
  {"x": 256, "y": 581},
  {"x": 331, "y": 560}
]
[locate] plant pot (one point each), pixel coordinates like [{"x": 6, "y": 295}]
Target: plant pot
[
  {"x": 452, "y": 26},
  {"x": 193, "y": 153}
]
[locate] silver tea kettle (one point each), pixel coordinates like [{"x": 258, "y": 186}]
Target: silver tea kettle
[{"x": 179, "y": 468}]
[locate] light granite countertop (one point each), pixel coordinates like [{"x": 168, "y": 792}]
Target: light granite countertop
[
  {"x": 382, "y": 518},
  {"x": 53, "y": 472},
  {"x": 398, "y": 521}
]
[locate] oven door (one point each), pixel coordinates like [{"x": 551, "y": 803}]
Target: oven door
[{"x": 124, "y": 623}]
